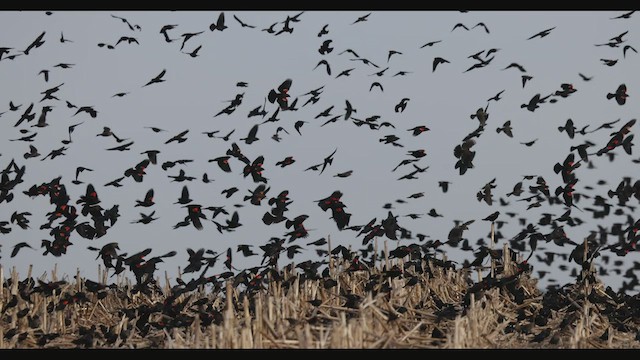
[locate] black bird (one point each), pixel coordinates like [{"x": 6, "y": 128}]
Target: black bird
[
  {"x": 628, "y": 47},
  {"x": 401, "y": 105},
  {"x": 219, "y": 24},
  {"x": 624, "y": 16},
  {"x": 569, "y": 128},
  {"x": 486, "y": 29},
  {"x": 63, "y": 40},
  {"x": 496, "y": 97},
  {"x": 242, "y": 23},
  {"x": 194, "y": 53},
  {"x": 298, "y": 125},
  {"x": 584, "y": 77},
  {"x": 145, "y": 219},
  {"x": 437, "y": 61},
  {"x": 431, "y": 43},
  {"x": 609, "y": 62},
  {"x": 361, "y": 19},
  {"x": 164, "y": 30},
  {"x": 184, "y": 197},
  {"x": 525, "y": 78},
  {"x": 620, "y": 95},
  {"x": 542, "y": 33},
  {"x": 229, "y": 192},
  {"x": 345, "y": 72},
  {"x": 17, "y": 247},
  {"x": 326, "y": 64},
  {"x": 148, "y": 200},
  {"x": 282, "y": 95},
  {"x": 251, "y": 137},
  {"x": 493, "y": 217},
  {"x": 223, "y": 163},
  {"x": 325, "y": 47},
  {"x": 323, "y": 31},
  {"x": 529, "y": 143},
  {"x": 179, "y": 138},
  {"x": 35, "y": 44},
  {"x": 444, "y": 185},
  {"x": 517, "y": 66},
  {"x": 157, "y": 79},
  {"x": 506, "y": 128},
  {"x": 459, "y": 25}
]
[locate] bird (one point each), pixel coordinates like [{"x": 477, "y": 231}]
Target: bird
[
  {"x": 324, "y": 30},
  {"x": 219, "y": 24},
  {"x": 18, "y": 246},
  {"x": 361, "y": 19},
  {"x": 542, "y": 33},
  {"x": 401, "y": 105},
  {"x": 346, "y": 72},
  {"x": 486, "y": 29},
  {"x": 157, "y": 79},
  {"x": 506, "y": 128},
  {"x": 179, "y": 137},
  {"x": 496, "y": 97},
  {"x": 251, "y": 137},
  {"x": 164, "y": 30},
  {"x": 628, "y": 47},
  {"x": 187, "y": 36},
  {"x": 298, "y": 125},
  {"x": 626, "y": 15},
  {"x": 437, "y": 61},
  {"x": 620, "y": 95},
  {"x": 242, "y": 23},
  {"x": 325, "y": 47},
  {"x": 36, "y": 43},
  {"x": 517, "y": 66},
  {"x": 148, "y": 200},
  {"x": 184, "y": 196},
  {"x": 281, "y": 97},
  {"x": 431, "y": 43},
  {"x": 460, "y": 25},
  {"x": 529, "y": 143},
  {"x": 584, "y": 77},
  {"x": 326, "y": 64},
  {"x": 391, "y": 53},
  {"x": 145, "y": 218},
  {"x": 525, "y": 79},
  {"x": 194, "y": 53},
  {"x": 376, "y": 84}
]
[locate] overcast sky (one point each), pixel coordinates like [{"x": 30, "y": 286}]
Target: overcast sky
[{"x": 197, "y": 88}]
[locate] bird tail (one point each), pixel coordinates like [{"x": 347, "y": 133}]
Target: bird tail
[{"x": 610, "y": 96}]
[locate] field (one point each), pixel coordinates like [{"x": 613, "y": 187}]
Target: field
[{"x": 429, "y": 304}]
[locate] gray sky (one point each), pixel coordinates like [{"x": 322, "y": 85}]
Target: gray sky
[{"x": 197, "y": 88}]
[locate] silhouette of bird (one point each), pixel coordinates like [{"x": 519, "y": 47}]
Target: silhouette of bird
[
  {"x": 219, "y": 24},
  {"x": 542, "y": 33},
  {"x": 620, "y": 95},
  {"x": 459, "y": 25},
  {"x": 361, "y": 19},
  {"x": 242, "y": 23},
  {"x": 437, "y": 61},
  {"x": 486, "y": 29},
  {"x": 157, "y": 79}
]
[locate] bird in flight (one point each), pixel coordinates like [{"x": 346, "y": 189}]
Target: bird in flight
[
  {"x": 361, "y": 19},
  {"x": 157, "y": 79},
  {"x": 542, "y": 33}
]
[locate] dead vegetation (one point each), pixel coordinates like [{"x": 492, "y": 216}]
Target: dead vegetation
[{"x": 441, "y": 308}]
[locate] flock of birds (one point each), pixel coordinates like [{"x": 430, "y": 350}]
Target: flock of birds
[{"x": 85, "y": 220}]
